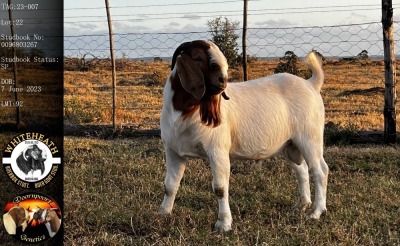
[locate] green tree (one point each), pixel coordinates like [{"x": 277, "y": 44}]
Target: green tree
[
  {"x": 363, "y": 55},
  {"x": 224, "y": 36},
  {"x": 288, "y": 64}
]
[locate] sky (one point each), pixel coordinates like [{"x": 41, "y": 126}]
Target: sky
[
  {"x": 147, "y": 28},
  {"x": 83, "y": 17}
]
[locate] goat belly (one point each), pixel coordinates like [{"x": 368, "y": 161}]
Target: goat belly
[{"x": 257, "y": 154}]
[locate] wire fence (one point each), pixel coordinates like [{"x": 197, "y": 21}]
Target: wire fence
[
  {"x": 88, "y": 97},
  {"x": 331, "y": 41},
  {"x": 265, "y": 44}
]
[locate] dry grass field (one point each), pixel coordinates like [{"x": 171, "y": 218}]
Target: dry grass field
[
  {"x": 353, "y": 93},
  {"x": 113, "y": 184},
  {"x": 40, "y": 88},
  {"x": 113, "y": 189},
  {"x": 116, "y": 183}
]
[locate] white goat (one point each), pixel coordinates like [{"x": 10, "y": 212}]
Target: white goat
[
  {"x": 17, "y": 216},
  {"x": 278, "y": 113}
]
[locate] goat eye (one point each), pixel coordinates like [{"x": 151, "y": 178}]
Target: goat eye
[{"x": 214, "y": 66}]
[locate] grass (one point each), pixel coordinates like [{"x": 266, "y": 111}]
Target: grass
[
  {"x": 114, "y": 188},
  {"x": 31, "y": 111},
  {"x": 353, "y": 93},
  {"x": 113, "y": 185},
  {"x": 117, "y": 183}
]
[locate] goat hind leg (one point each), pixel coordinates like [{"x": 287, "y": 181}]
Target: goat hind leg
[
  {"x": 175, "y": 168},
  {"x": 300, "y": 170},
  {"x": 320, "y": 177}
]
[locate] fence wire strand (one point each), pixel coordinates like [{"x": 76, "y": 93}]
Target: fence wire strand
[
  {"x": 330, "y": 41},
  {"x": 334, "y": 42}
]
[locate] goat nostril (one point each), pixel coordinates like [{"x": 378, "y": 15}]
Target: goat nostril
[{"x": 221, "y": 80}]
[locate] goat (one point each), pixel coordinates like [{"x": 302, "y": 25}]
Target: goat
[
  {"x": 51, "y": 219},
  {"x": 32, "y": 159},
  {"x": 278, "y": 113},
  {"x": 16, "y": 217}
]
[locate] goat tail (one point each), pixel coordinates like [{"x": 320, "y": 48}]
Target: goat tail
[
  {"x": 314, "y": 62},
  {"x": 9, "y": 224}
]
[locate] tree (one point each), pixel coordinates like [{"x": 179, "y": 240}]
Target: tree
[
  {"x": 288, "y": 64},
  {"x": 224, "y": 36},
  {"x": 363, "y": 55}
]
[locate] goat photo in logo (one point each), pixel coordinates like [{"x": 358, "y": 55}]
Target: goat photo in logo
[
  {"x": 32, "y": 218},
  {"x": 30, "y": 160}
]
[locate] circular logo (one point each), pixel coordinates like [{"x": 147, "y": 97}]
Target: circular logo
[
  {"x": 32, "y": 218},
  {"x": 31, "y": 160}
]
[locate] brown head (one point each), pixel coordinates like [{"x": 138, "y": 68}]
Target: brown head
[
  {"x": 38, "y": 214},
  {"x": 53, "y": 219},
  {"x": 20, "y": 215},
  {"x": 199, "y": 77}
]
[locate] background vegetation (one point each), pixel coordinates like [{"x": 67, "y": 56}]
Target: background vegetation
[
  {"x": 113, "y": 182},
  {"x": 353, "y": 92},
  {"x": 117, "y": 181}
]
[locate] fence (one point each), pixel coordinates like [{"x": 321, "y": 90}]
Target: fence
[
  {"x": 333, "y": 42},
  {"x": 82, "y": 52}
]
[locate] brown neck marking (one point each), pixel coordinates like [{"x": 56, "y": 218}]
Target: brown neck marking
[{"x": 209, "y": 106}]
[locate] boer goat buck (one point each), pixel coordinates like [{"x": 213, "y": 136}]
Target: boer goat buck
[
  {"x": 50, "y": 217},
  {"x": 205, "y": 117},
  {"x": 32, "y": 159},
  {"x": 14, "y": 218}
]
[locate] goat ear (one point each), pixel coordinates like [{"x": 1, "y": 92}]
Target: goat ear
[{"x": 191, "y": 76}]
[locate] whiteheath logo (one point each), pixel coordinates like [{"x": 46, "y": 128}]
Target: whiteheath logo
[{"x": 31, "y": 160}]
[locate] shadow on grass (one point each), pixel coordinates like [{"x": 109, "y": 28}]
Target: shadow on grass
[{"x": 334, "y": 134}]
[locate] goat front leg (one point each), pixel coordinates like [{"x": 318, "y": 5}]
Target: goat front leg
[
  {"x": 175, "y": 168},
  {"x": 220, "y": 167}
]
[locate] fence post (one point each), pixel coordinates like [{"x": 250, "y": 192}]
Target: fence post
[
  {"x": 244, "y": 58},
  {"x": 14, "y": 53},
  {"x": 389, "y": 111},
  {"x": 111, "y": 37}
]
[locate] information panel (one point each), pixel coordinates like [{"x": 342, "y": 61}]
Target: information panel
[{"x": 31, "y": 121}]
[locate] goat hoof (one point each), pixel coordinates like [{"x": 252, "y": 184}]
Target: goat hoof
[
  {"x": 316, "y": 213},
  {"x": 221, "y": 226},
  {"x": 301, "y": 206},
  {"x": 163, "y": 211}
]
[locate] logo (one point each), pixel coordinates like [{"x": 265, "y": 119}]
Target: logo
[
  {"x": 32, "y": 218},
  {"x": 31, "y": 160}
]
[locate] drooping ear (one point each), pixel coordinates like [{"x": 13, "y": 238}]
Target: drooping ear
[
  {"x": 191, "y": 76},
  {"x": 178, "y": 51}
]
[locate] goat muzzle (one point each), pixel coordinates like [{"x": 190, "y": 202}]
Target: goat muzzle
[{"x": 220, "y": 89}]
